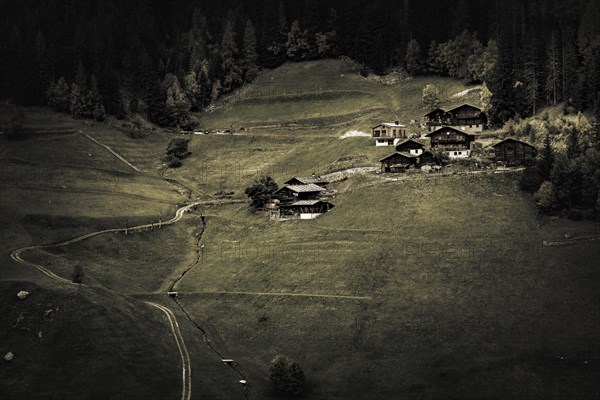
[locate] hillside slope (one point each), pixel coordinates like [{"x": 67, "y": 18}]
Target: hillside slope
[
  {"x": 86, "y": 342},
  {"x": 326, "y": 95}
]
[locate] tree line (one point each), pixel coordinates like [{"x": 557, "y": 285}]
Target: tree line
[{"x": 166, "y": 60}]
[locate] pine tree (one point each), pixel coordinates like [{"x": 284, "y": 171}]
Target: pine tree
[
  {"x": 431, "y": 96},
  {"x": 546, "y": 157},
  {"x": 297, "y": 44},
  {"x": 59, "y": 95},
  {"x": 553, "y": 73},
  {"x": 249, "y": 54},
  {"x": 232, "y": 73},
  {"x": 531, "y": 73},
  {"x": 414, "y": 63}
]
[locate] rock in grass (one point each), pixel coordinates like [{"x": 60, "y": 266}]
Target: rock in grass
[
  {"x": 9, "y": 356},
  {"x": 22, "y": 294}
]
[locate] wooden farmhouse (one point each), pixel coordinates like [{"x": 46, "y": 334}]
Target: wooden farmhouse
[
  {"x": 402, "y": 161},
  {"x": 465, "y": 117},
  {"x": 454, "y": 142},
  {"x": 299, "y": 201},
  {"x": 514, "y": 152},
  {"x": 303, "y": 209},
  {"x": 410, "y": 146},
  {"x": 388, "y": 133},
  {"x": 291, "y": 193}
]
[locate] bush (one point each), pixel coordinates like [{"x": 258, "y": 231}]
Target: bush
[
  {"x": 176, "y": 151},
  {"x": 261, "y": 191},
  {"x": 531, "y": 179},
  {"x": 545, "y": 198},
  {"x": 286, "y": 376}
]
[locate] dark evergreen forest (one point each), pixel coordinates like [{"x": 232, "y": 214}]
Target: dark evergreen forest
[{"x": 164, "y": 59}]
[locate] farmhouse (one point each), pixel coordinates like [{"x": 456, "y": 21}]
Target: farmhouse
[
  {"x": 465, "y": 117},
  {"x": 514, "y": 152},
  {"x": 303, "y": 209},
  {"x": 292, "y": 193},
  {"x": 388, "y": 133},
  {"x": 456, "y": 143},
  {"x": 437, "y": 117},
  {"x": 410, "y": 146},
  {"x": 298, "y": 201},
  {"x": 402, "y": 161}
]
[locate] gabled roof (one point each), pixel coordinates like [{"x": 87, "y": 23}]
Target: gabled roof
[
  {"x": 513, "y": 140},
  {"x": 448, "y": 127},
  {"x": 306, "y": 179},
  {"x": 390, "y": 125},
  {"x": 401, "y": 153},
  {"x": 410, "y": 140},
  {"x": 435, "y": 111},
  {"x": 311, "y": 187},
  {"x": 306, "y": 203},
  {"x": 464, "y": 105}
]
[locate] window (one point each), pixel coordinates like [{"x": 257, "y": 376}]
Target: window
[{"x": 456, "y": 153}]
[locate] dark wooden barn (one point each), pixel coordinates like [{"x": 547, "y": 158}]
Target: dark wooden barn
[
  {"x": 402, "y": 161},
  {"x": 410, "y": 146},
  {"x": 514, "y": 152}
]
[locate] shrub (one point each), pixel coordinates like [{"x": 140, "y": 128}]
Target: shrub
[
  {"x": 286, "y": 376},
  {"x": 261, "y": 191},
  {"x": 545, "y": 198}
]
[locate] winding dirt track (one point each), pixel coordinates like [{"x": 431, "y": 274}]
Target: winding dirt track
[
  {"x": 186, "y": 367},
  {"x": 186, "y": 362},
  {"x": 16, "y": 255}
]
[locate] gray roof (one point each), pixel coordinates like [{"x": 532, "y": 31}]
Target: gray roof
[
  {"x": 410, "y": 140},
  {"x": 390, "y": 125},
  {"x": 307, "y": 202},
  {"x": 307, "y": 179},
  {"x": 311, "y": 187},
  {"x": 402, "y": 153},
  {"x": 512, "y": 140}
]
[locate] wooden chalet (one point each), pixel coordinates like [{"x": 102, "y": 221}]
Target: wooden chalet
[
  {"x": 292, "y": 193},
  {"x": 305, "y": 180},
  {"x": 402, "y": 161},
  {"x": 388, "y": 133},
  {"x": 303, "y": 209},
  {"x": 437, "y": 117},
  {"x": 465, "y": 117},
  {"x": 456, "y": 143},
  {"x": 410, "y": 146},
  {"x": 514, "y": 152}
]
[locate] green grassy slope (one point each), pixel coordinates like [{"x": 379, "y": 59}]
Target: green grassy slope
[
  {"x": 327, "y": 96},
  {"x": 464, "y": 296}
]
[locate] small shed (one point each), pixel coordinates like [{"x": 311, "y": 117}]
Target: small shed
[{"x": 514, "y": 152}]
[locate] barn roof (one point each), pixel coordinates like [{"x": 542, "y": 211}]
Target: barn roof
[
  {"x": 390, "y": 125},
  {"x": 462, "y": 106},
  {"x": 435, "y": 111},
  {"x": 306, "y": 203},
  {"x": 408, "y": 141},
  {"x": 401, "y": 153},
  {"x": 311, "y": 187},
  {"x": 306, "y": 179},
  {"x": 448, "y": 127},
  {"x": 512, "y": 140}
]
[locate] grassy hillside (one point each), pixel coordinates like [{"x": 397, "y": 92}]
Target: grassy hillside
[
  {"x": 87, "y": 342},
  {"x": 426, "y": 287},
  {"x": 328, "y": 97}
]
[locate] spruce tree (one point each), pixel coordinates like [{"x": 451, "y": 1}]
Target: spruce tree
[
  {"x": 232, "y": 73},
  {"x": 249, "y": 61}
]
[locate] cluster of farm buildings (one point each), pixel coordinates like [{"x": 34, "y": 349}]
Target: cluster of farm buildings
[{"x": 452, "y": 133}]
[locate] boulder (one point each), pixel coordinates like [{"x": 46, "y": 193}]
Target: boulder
[
  {"x": 22, "y": 294},
  {"x": 9, "y": 356}
]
